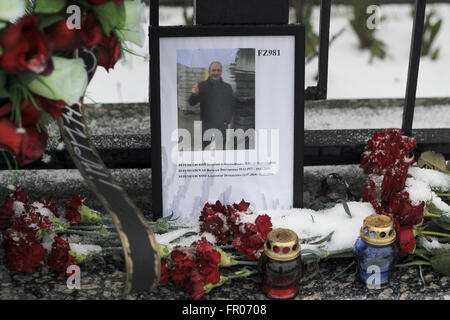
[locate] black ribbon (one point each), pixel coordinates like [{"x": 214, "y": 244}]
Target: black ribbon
[{"x": 139, "y": 245}]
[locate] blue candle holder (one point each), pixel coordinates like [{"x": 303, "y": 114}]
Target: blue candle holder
[{"x": 375, "y": 251}]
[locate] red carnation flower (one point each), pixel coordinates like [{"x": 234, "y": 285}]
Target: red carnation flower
[
  {"x": 59, "y": 258},
  {"x": 241, "y": 206},
  {"x": 216, "y": 225},
  {"x": 233, "y": 219},
  {"x": 386, "y": 149},
  {"x": 50, "y": 205},
  {"x": 28, "y": 224},
  {"x": 207, "y": 261},
  {"x": 108, "y": 52},
  {"x": 406, "y": 240},
  {"x": 27, "y": 146},
  {"x": 394, "y": 181},
  {"x": 206, "y": 212},
  {"x": 404, "y": 211},
  {"x": 25, "y": 48},
  {"x": 164, "y": 276},
  {"x": 250, "y": 241},
  {"x": 371, "y": 192},
  {"x": 219, "y": 207},
  {"x": 214, "y": 219},
  {"x": 183, "y": 265},
  {"x": 264, "y": 225},
  {"x": 195, "y": 285},
  {"x": 73, "y": 209},
  {"x": 24, "y": 257},
  {"x": 7, "y": 209}
]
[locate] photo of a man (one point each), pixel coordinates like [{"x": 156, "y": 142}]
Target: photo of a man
[
  {"x": 216, "y": 99},
  {"x": 217, "y": 105}
]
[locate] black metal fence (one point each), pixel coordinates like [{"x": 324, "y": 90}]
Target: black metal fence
[{"x": 322, "y": 147}]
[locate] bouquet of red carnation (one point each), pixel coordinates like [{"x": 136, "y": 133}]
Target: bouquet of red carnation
[
  {"x": 224, "y": 223},
  {"x": 196, "y": 267},
  {"x": 34, "y": 232},
  {"x": 418, "y": 220},
  {"x": 27, "y": 224}
]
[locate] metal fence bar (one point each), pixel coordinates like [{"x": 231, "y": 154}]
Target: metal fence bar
[
  {"x": 154, "y": 13},
  {"x": 413, "y": 69},
  {"x": 319, "y": 92}
]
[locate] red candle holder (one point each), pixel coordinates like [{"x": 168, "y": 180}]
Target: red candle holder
[{"x": 280, "y": 264}]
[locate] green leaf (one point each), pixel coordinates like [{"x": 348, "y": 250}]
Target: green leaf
[
  {"x": 431, "y": 208},
  {"x": 432, "y": 160},
  {"x": 441, "y": 262},
  {"x": 111, "y": 16},
  {"x": 47, "y": 20},
  {"x": 325, "y": 239},
  {"x": 434, "y": 56},
  {"x": 346, "y": 208},
  {"x": 443, "y": 222},
  {"x": 53, "y": 6}
]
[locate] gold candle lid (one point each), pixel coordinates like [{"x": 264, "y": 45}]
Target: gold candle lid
[
  {"x": 378, "y": 229},
  {"x": 282, "y": 245}
]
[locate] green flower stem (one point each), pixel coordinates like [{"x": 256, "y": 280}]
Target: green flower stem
[
  {"x": 413, "y": 263},
  {"x": 431, "y": 215},
  {"x": 447, "y": 195},
  {"x": 229, "y": 246},
  {"x": 343, "y": 271},
  {"x": 110, "y": 242},
  {"x": 433, "y": 233},
  {"x": 112, "y": 250},
  {"x": 90, "y": 228},
  {"x": 187, "y": 234},
  {"x": 243, "y": 275},
  {"x": 333, "y": 253},
  {"x": 245, "y": 263},
  {"x": 322, "y": 254},
  {"x": 89, "y": 233}
]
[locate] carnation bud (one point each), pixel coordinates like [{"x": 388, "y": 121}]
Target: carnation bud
[
  {"x": 164, "y": 251},
  {"x": 226, "y": 259},
  {"x": 89, "y": 216},
  {"x": 211, "y": 286},
  {"x": 79, "y": 258}
]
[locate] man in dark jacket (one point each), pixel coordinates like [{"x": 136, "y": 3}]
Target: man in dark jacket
[{"x": 216, "y": 102}]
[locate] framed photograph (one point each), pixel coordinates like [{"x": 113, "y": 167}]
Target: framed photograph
[{"x": 227, "y": 106}]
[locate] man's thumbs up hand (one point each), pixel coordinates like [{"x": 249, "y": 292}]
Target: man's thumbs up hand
[{"x": 195, "y": 89}]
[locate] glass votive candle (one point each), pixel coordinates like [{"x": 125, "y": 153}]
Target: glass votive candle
[
  {"x": 375, "y": 251},
  {"x": 280, "y": 264}
]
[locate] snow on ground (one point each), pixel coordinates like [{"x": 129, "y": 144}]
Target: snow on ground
[{"x": 305, "y": 222}]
